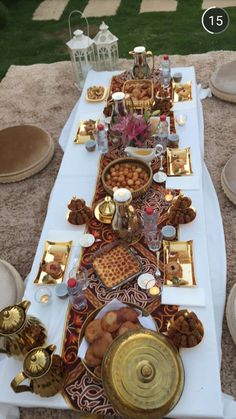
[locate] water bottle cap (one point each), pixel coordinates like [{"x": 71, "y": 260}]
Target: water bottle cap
[
  {"x": 149, "y": 210},
  {"x": 166, "y": 57},
  {"x": 100, "y": 127},
  {"x": 72, "y": 283},
  {"x": 163, "y": 118}
]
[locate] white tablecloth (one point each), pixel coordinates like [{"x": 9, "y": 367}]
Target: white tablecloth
[{"x": 202, "y": 392}]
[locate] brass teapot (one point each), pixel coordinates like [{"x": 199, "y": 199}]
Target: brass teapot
[
  {"x": 46, "y": 372},
  {"x": 19, "y": 331},
  {"x": 141, "y": 68}
]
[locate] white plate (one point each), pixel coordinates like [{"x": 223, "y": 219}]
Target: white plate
[
  {"x": 86, "y": 240},
  {"x": 160, "y": 177},
  {"x": 144, "y": 279}
]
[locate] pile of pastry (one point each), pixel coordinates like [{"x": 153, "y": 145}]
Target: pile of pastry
[
  {"x": 100, "y": 333},
  {"x": 79, "y": 213},
  {"x": 180, "y": 211},
  {"x": 139, "y": 90},
  {"x": 55, "y": 268},
  {"x": 127, "y": 175},
  {"x": 95, "y": 92},
  {"x": 185, "y": 329}
]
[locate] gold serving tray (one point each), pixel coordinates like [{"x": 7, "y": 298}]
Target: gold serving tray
[
  {"x": 179, "y": 162},
  {"x": 103, "y": 97},
  {"x": 91, "y": 317},
  {"x": 182, "y": 251},
  {"x": 81, "y": 136},
  {"x": 43, "y": 278},
  {"x": 182, "y": 92}
]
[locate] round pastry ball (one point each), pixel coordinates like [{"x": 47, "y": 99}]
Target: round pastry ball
[
  {"x": 110, "y": 321},
  {"x": 126, "y": 326},
  {"x": 93, "y": 330},
  {"x": 91, "y": 359},
  {"x": 100, "y": 345},
  {"x": 127, "y": 314}
]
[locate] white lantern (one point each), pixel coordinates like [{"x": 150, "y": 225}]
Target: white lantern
[
  {"x": 106, "y": 46},
  {"x": 82, "y": 54}
]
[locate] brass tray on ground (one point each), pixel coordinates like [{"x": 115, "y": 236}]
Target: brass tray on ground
[
  {"x": 179, "y": 162},
  {"x": 182, "y": 253},
  {"x": 53, "y": 252},
  {"x": 111, "y": 260},
  {"x": 182, "y": 92},
  {"x": 130, "y": 161},
  {"x": 86, "y": 131},
  {"x": 142, "y": 375},
  {"x": 91, "y": 317}
]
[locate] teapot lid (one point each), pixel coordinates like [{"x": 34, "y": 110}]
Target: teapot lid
[
  {"x": 142, "y": 374},
  {"x": 139, "y": 50},
  {"x": 37, "y": 362},
  {"x": 12, "y": 319}
]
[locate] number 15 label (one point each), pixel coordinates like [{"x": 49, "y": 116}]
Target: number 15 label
[{"x": 215, "y": 20}]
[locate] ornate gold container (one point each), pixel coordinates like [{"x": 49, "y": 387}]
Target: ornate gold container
[
  {"x": 45, "y": 371},
  {"x": 21, "y": 332},
  {"x": 143, "y": 375}
]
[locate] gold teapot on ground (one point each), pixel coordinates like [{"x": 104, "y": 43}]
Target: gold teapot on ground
[
  {"x": 19, "y": 331},
  {"x": 46, "y": 372}
]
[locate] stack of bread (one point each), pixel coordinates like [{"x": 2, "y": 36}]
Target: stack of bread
[
  {"x": 180, "y": 211},
  {"x": 79, "y": 213},
  {"x": 100, "y": 333}
]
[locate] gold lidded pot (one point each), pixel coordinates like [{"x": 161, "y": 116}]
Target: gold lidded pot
[
  {"x": 45, "y": 371},
  {"x": 20, "y": 332},
  {"x": 105, "y": 209},
  {"x": 143, "y": 375}
]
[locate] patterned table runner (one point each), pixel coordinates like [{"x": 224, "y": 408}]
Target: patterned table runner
[{"x": 82, "y": 391}]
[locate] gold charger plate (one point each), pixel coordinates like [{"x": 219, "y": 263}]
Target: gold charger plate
[
  {"x": 182, "y": 253},
  {"x": 182, "y": 92},
  {"x": 91, "y": 317},
  {"x": 103, "y": 97},
  {"x": 51, "y": 248},
  {"x": 179, "y": 162},
  {"x": 142, "y": 375},
  {"x": 82, "y": 136}
]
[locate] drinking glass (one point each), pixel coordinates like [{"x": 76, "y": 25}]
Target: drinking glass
[
  {"x": 154, "y": 289},
  {"x": 43, "y": 296},
  {"x": 154, "y": 240},
  {"x": 80, "y": 275}
]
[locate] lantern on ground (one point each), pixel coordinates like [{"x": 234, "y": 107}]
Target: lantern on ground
[
  {"x": 106, "y": 47},
  {"x": 82, "y": 54}
]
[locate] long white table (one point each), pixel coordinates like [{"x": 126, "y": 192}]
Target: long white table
[{"x": 201, "y": 397}]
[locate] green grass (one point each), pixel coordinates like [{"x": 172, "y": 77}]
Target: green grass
[{"x": 23, "y": 41}]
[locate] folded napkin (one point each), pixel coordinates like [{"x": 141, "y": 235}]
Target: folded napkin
[
  {"x": 183, "y": 296},
  {"x": 203, "y": 93}
]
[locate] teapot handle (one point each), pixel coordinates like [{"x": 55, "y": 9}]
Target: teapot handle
[
  {"x": 16, "y": 383},
  {"x": 149, "y": 54}
]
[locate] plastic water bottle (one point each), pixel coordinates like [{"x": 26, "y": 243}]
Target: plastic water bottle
[
  {"x": 76, "y": 295},
  {"x": 102, "y": 141},
  {"x": 150, "y": 228},
  {"x": 162, "y": 132},
  {"x": 165, "y": 69}
]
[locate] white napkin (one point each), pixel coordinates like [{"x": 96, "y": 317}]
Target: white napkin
[
  {"x": 203, "y": 93},
  {"x": 229, "y": 406},
  {"x": 183, "y": 296},
  {"x": 9, "y": 412}
]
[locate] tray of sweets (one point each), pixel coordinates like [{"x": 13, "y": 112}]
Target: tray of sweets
[
  {"x": 179, "y": 162},
  {"x": 116, "y": 264},
  {"x": 53, "y": 263},
  {"x": 182, "y": 92},
  {"x": 86, "y": 131},
  {"x": 96, "y": 94},
  {"x": 178, "y": 264}
]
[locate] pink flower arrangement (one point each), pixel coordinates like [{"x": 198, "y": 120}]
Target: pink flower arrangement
[{"x": 134, "y": 129}]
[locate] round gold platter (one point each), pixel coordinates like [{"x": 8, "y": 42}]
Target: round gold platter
[
  {"x": 142, "y": 375},
  {"x": 130, "y": 160},
  {"x": 91, "y": 317}
]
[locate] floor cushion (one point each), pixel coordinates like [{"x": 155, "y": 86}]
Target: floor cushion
[
  {"x": 223, "y": 82},
  {"x": 24, "y": 151},
  {"x": 228, "y": 179}
]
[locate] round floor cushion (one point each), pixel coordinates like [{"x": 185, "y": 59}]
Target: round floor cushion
[
  {"x": 11, "y": 285},
  {"x": 228, "y": 179},
  {"x": 24, "y": 151},
  {"x": 223, "y": 82},
  {"x": 231, "y": 313}
]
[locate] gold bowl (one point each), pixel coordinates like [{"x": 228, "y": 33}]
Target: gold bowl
[{"x": 128, "y": 160}]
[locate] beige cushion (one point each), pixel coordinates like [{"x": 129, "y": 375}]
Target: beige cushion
[
  {"x": 7, "y": 287},
  {"x": 223, "y": 82},
  {"x": 231, "y": 313},
  {"x": 19, "y": 283},
  {"x": 228, "y": 179},
  {"x": 24, "y": 151}
]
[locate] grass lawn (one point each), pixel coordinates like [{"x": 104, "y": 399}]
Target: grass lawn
[{"x": 24, "y": 41}]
